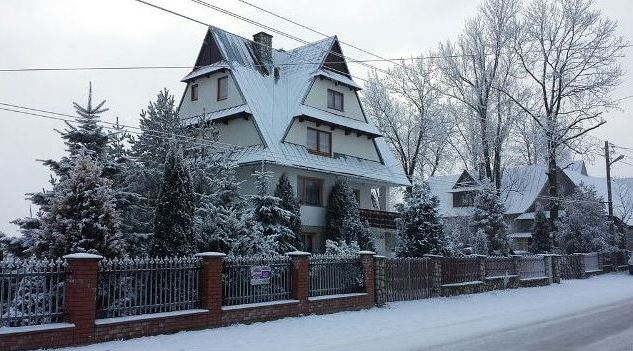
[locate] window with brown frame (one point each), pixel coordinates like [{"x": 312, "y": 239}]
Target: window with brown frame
[
  {"x": 319, "y": 142},
  {"x": 194, "y": 92},
  {"x": 310, "y": 191},
  {"x": 334, "y": 100},
  {"x": 223, "y": 88}
]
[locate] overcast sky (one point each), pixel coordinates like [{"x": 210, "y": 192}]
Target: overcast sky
[{"x": 65, "y": 33}]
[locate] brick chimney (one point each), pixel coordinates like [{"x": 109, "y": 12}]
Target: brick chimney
[{"x": 264, "y": 46}]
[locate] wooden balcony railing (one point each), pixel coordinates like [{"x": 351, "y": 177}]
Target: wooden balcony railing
[{"x": 379, "y": 219}]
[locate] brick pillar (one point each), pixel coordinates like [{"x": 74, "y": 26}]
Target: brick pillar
[
  {"x": 380, "y": 283},
  {"x": 369, "y": 274},
  {"x": 211, "y": 285},
  {"x": 300, "y": 277},
  {"x": 555, "y": 268},
  {"x": 580, "y": 259},
  {"x": 436, "y": 274},
  {"x": 81, "y": 294}
]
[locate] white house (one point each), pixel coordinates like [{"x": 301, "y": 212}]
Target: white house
[{"x": 295, "y": 112}]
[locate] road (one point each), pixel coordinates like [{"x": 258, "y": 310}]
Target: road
[{"x": 607, "y": 327}]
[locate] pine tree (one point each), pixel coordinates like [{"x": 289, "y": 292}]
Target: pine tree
[
  {"x": 343, "y": 218},
  {"x": 480, "y": 243},
  {"x": 290, "y": 203},
  {"x": 488, "y": 217},
  {"x": 173, "y": 220},
  {"x": 420, "y": 228},
  {"x": 541, "y": 240}
]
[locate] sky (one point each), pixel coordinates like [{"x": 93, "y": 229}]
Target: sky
[{"x": 93, "y": 33}]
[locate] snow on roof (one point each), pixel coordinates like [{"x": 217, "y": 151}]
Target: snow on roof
[
  {"x": 441, "y": 187},
  {"x": 216, "y": 115},
  {"x": 520, "y": 187},
  {"x": 338, "y": 78},
  {"x": 275, "y": 98},
  {"x": 343, "y": 121},
  {"x": 200, "y": 71}
]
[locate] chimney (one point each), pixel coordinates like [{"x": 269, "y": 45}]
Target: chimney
[{"x": 264, "y": 46}]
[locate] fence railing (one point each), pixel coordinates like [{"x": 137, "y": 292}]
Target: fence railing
[
  {"x": 592, "y": 262},
  {"x": 31, "y": 292},
  {"x": 457, "y": 270},
  {"x": 407, "y": 279},
  {"x": 256, "y": 279},
  {"x": 499, "y": 266},
  {"x": 569, "y": 267},
  {"x": 129, "y": 287},
  {"x": 532, "y": 267},
  {"x": 332, "y": 275}
]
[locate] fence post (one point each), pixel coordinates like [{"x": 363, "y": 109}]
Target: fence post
[
  {"x": 81, "y": 294},
  {"x": 555, "y": 268},
  {"x": 580, "y": 259},
  {"x": 549, "y": 272},
  {"x": 300, "y": 276},
  {"x": 516, "y": 265},
  {"x": 436, "y": 274},
  {"x": 369, "y": 274},
  {"x": 211, "y": 285},
  {"x": 380, "y": 280}
]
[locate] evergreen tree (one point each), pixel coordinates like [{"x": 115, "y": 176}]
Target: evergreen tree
[
  {"x": 420, "y": 228},
  {"x": 480, "y": 243},
  {"x": 583, "y": 227},
  {"x": 488, "y": 217},
  {"x": 343, "y": 218},
  {"x": 341, "y": 248},
  {"x": 290, "y": 203},
  {"x": 541, "y": 240},
  {"x": 173, "y": 220}
]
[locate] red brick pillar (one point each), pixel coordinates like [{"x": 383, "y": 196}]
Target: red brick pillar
[
  {"x": 301, "y": 278},
  {"x": 211, "y": 285},
  {"x": 81, "y": 294},
  {"x": 369, "y": 274}
]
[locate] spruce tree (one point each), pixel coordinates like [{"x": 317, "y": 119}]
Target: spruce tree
[
  {"x": 420, "y": 228},
  {"x": 290, "y": 203},
  {"x": 343, "y": 218},
  {"x": 488, "y": 217},
  {"x": 173, "y": 220},
  {"x": 541, "y": 240}
]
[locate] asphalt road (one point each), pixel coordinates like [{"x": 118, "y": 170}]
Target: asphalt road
[{"x": 605, "y": 328}]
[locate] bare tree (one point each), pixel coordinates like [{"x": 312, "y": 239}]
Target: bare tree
[{"x": 623, "y": 191}]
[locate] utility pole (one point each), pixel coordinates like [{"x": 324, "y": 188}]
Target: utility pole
[{"x": 608, "y": 164}]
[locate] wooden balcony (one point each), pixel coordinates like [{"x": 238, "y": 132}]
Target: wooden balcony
[{"x": 379, "y": 219}]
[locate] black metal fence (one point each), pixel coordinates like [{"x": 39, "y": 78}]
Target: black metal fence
[
  {"x": 332, "y": 275},
  {"x": 407, "y": 279},
  {"x": 499, "y": 266},
  {"x": 129, "y": 287},
  {"x": 31, "y": 292},
  {"x": 458, "y": 270},
  {"x": 257, "y": 279}
]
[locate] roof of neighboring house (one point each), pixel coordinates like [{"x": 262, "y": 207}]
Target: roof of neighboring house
[{"x": 274, "y": 93}]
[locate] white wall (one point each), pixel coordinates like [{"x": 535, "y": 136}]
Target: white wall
[
  {"x": 238, "y": 131},
  {"x": 207, "y": 96},
  {"x": 352, "y": 145},
  {"x": 317, "y": 97}
]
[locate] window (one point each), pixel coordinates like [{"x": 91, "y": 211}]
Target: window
[
  {"x": 334, "y": 100},
  {"x": 310, "y": 191},
  {"x": 194, "y": 92},
  {"x": 319, "y": 142},
  {"x": 223, "y": 88},
  {"x": 464, "y": 199}
]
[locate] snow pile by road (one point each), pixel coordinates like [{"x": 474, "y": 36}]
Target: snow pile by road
[{"x": 401, "y": 326}]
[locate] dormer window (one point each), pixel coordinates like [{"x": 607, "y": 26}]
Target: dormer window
[
  {"x": 319, "y": 142},
  {"x": 194, "y": 92},
  {"x": 334, "y": 100},
  {"x": 223, "y": 88}
]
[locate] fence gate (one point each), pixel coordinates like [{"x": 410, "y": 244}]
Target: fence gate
[{"x": 407, "y": 279}]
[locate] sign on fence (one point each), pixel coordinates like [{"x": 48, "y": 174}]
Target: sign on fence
[{"x": 260, "y": 275}]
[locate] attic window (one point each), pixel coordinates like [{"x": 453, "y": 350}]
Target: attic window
[
  {"x": 334, "y": 100},
  {"x": 223, "y": 88},
  {"x": 194, "y": 92},
  {"x": 464, "y": 199},
  {"x": 319, "y": 142}
]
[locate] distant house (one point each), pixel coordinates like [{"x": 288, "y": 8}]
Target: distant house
[
  {"x": 523, "y": 190},
  {"x": 295, "y": 112}
]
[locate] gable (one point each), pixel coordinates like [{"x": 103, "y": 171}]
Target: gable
[
  {"x": 207, "y": 101},
  {"x": 335, "y": 60},
  {"x": 317, "y": 97},
  {"x": 465, "y": 180},
  {"x": 209, "y": 52}
]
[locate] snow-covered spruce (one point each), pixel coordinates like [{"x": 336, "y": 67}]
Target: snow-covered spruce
[
  {"x": 487, "y": 217},
  {"x": 541, "y": 239},
  {"x": 290, "y": 203},
  {"x": 343, "y": 217}
]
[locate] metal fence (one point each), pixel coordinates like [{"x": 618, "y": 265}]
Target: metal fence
[
  {"x": 407, "y": 279},
  {"x": 31, "y": 292},
  {"x": 569, "y": 267},
  {"x": 499, "y": 266},
  {"x": 129, "y": 287},
  {"x": 532, "y": 267},
  {"x": 457, "y": 270},
  {"x": 331, "y": 275},
  {"x": 592, "y": 262},
  {"x": 256, "y": 279}
]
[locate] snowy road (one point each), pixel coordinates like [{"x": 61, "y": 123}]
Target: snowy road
[{"x": 592, "y": 314}]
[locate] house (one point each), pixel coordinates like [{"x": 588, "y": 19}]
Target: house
[
  {"x": 523, "y": 190},
  {"x": 296, "y": 112}
]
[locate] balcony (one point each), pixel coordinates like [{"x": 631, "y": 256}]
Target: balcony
[{"x": 379, "y": 219}]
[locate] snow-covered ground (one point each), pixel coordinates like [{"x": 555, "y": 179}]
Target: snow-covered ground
[{"x": 411, "y": 325}]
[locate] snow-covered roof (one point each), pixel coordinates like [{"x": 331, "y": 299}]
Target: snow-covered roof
[
  {"x": 441, "y": 187},
  {"x": 520, "y": 187},
  {"x": 337, "y": 77},
  {"x": 338, "y": 120},
  {"x": 216, "y": 115},
  {"x": 274, "y": 93},
  {"x": 208, "y": 69}
]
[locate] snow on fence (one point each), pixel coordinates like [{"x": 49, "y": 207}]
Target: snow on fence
[
  {"x": 408, "y": 279},
  {"x": 31, "y": 292},
  {"x": 532, "y": 267},
  {"x": 592, "y": 262},
  {"x": 256, "y": 279},
  {"x": 457, "y": 270},
  {"x": 499, "y": 266},
  {"x": 129, "y": 287},
  {"x": 335, "y": 274}
]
